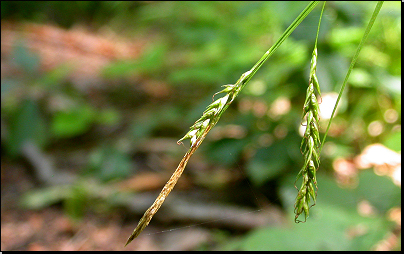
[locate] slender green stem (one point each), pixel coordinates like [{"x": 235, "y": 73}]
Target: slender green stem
[
  {"x": 285, "y": 35},
  {"x": 365, "y": 35},
  {"x": 319, "y": 22},
  {"x": 243, "y": 80},
  {"x": 215, "y": 111}
]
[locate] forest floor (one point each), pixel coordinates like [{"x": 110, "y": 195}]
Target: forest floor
[{"x": 51, "y": 229}]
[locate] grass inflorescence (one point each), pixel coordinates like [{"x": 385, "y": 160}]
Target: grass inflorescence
[
  {"x": 309, "y": 146},
  {"x": 210, "y": 117}
]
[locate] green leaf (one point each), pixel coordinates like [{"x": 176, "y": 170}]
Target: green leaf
[
  {"x": 267, "y": 163},
  {"x": 55, "y": 77},
  {"x": 121, "y": 69},
  {"x": 327, "y": 231},
  {"x": 226, "y": 151},
  {"x": 24, "y": 58},
  {"x": 108, "y": 116},
  {"x": 343, "y": 36},
  {"x": 77, "y": 202},
  {"x": 328, "y": 192},
  {"x": 108, "y": 163},
  {"x": 360, "y": 78},
  {"x": 153, "y": 59},
  {"x": 149, "y": 63},
  {"x": 39, "y": 199},
  {"x": 26, "y": 124},
  {"x": 74, "y": 122},
  {"x": 7, "y": 86},
  {"x": 385, "y": 196},
  {"x": 328, "y": 227},
  {"x": 393, "y": 141}
]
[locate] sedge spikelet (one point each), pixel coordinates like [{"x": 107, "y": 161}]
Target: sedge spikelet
[
  {"x": 196, "y": 134},
  {"x": 309, "y": 146}
]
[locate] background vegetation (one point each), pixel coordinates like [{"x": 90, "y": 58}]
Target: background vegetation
[{"x": 94, "y": 96}]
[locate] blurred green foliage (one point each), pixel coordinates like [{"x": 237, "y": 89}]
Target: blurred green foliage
[
  {"x": 85, "y": 195},
  {"x": 334, "y": 223},
  {"x": 194, "y": 48},
  {"x": 108, "y": 163}
]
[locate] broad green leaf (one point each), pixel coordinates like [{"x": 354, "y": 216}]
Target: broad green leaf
[
  {"x": 226, "y": 151},
  {"x": 108, "y": 163},
  {"x": 73, "y": 122},
  {"x": 39, "y": 199},
  {"x": 108, "y": 116},
  {"x": 26, "y": 125},
  {"x": 267, "y": 163},
  {"x": 330, "y": 230},
  {"x": 24, "y": 58},
  {"x": 385, "y": 196},
  {"x": 77, "y": 202},
  {"x": 393, "y": 141}
]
